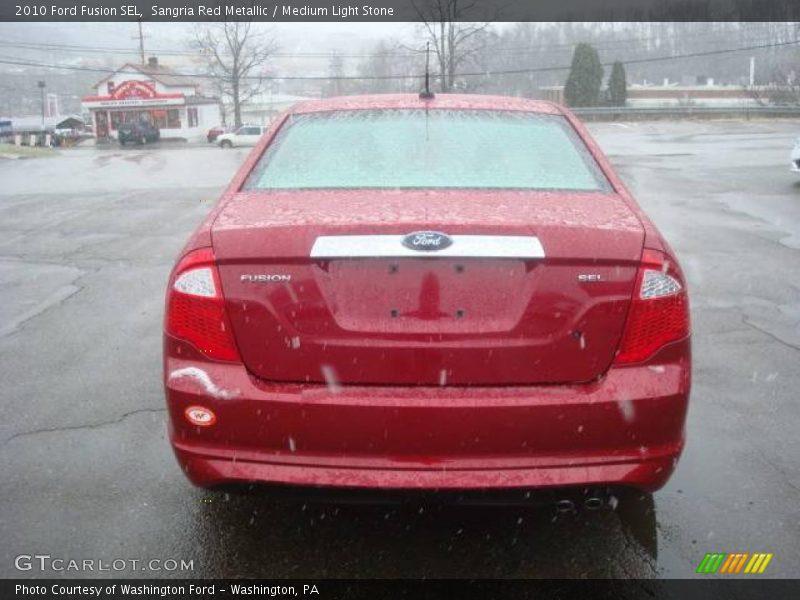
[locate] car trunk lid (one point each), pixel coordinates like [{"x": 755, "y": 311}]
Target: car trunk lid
[{"x": 310, "y": 302}]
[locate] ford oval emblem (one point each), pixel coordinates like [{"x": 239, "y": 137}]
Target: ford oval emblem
[{"x": 427, "y": 241}]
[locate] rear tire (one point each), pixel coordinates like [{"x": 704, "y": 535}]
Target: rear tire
[{"x": 226, "y": 144}]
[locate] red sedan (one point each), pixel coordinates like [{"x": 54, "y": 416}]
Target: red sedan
[
  {"x": 449, "y": 293},
  {"x": 215, "y": 132}
]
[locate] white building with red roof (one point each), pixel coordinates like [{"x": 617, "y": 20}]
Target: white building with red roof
[{"x": 171, "y": 101}]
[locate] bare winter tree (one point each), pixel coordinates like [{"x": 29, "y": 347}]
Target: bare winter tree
[
  {"x": 336, "y": 82},
  {"x": 235, "y": 53},
  {"x": 390, "y": 67},
  {"x": 453, "y": 39}
]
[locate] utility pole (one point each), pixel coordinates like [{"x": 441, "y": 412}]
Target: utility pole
[
  {"x": 141, "y": 42},
  {"x": 41, "y": 85},
  {"x": 752, "y": 71}
]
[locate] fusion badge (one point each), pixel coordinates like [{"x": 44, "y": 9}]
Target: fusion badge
[{"x": 265, "y": 278}]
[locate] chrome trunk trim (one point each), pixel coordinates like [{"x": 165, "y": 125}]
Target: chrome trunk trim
[{"x": 463, "y": 246}]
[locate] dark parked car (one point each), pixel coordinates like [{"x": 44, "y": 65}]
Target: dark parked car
[{"x": 140, "y": 132}]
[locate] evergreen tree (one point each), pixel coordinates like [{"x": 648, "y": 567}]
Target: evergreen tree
[
  {"x": 617, "y": 86},
  {"x": 585, "y": 77}
]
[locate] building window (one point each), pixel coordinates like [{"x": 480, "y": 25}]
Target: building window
[
  {"x": 159, "y": 118},
  {"x": 156, "y": 117},
  {"x": 192, "y": 117},
  {"x": 110, "y": 87},
  {"x": 173, "y": 119}
]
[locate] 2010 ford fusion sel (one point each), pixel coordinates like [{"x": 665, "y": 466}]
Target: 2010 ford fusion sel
[{"x": 449, "y": 293}]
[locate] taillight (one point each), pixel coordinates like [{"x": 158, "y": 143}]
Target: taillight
[
  {"x": 196, "y": 309},
  {"x": 659, "y": 311}
]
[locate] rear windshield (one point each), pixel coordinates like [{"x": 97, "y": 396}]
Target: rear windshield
[{"x": 427, "y": 149}]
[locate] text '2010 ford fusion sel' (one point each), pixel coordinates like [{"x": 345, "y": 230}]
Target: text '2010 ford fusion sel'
[{"x": 412, "y": 293}]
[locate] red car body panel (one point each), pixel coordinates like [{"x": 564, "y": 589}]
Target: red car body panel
[
  {"x": 626, "y": 429},
  {"x": 429, "y": 372},
  {"x": 514, "y": 314}
]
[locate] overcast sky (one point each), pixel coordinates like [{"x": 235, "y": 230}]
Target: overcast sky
[{"x": 345, "y": 36}]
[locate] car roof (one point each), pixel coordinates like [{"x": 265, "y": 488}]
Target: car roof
[{"x": 439, "y": 101}]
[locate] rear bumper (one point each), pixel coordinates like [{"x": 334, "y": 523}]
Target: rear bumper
[
  {"x": 625, "y": 430},
  {"x": 646, "y": 474}
]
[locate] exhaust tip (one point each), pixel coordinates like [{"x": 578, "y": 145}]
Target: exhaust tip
[
  {"x": 593, "y": 503},
  {"x": 565, "y": 506}
]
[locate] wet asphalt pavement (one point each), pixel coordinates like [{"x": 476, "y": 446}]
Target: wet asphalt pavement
[{"x": 88, "y": 238}]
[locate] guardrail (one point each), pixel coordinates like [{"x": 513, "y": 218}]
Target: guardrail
[{"x": 623, "y": 113}]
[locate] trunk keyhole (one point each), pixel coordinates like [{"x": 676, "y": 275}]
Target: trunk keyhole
[
  {"x": 395, "y": 313},
  {"x": 393, "y": 269},
  {"x": 460, "y": 313}
]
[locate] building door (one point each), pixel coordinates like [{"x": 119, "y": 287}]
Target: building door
[{"x": 101, "y": 124}]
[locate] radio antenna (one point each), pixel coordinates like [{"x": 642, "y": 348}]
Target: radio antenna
[{"x": 426, "y": 93}]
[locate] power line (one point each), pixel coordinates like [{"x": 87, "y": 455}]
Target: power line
[
  {"x": 486, "y": 73},
  {"x": 408, "y": 52},
  {"x": 105, "y": 70},
  {"x": 638, "y": 60},
  {"x": 174, "y": 52},
  {"x": 548, "y": 49}
]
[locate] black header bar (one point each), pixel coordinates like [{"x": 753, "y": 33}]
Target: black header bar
[
  {"x": 740, "y": 588},
  {"x": 397, "y": 10}
]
